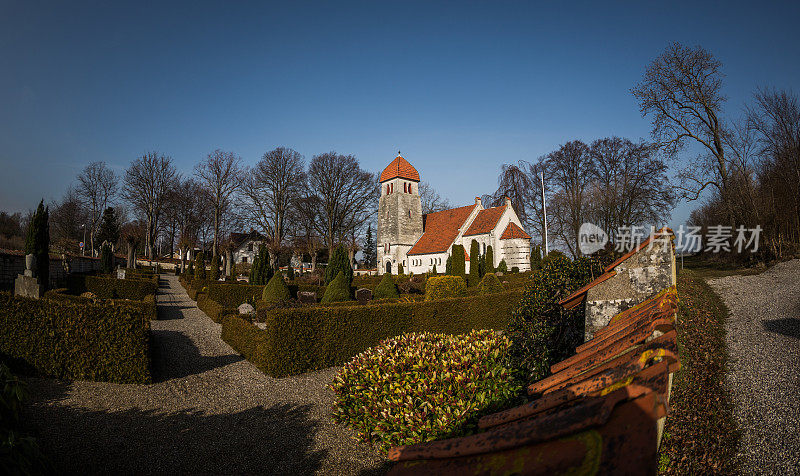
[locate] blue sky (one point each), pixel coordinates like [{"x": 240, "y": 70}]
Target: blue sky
[{"x": 460, "y": 88}]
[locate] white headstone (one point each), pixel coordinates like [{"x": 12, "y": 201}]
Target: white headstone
[{"x": 246, "y": 308}]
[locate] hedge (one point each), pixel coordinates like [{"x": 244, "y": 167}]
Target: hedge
[
  {"x": 146, "y": 305},
  {"x": 213, "y": 309},
  {"x": 440, "y": 287},
  {"x": 112, "y": 288},
  {"x": 298, "y": 340},
  {"x": 75, "y": 340}
]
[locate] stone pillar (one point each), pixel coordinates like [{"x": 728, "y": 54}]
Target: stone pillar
[{"x": 27, "y": 284}]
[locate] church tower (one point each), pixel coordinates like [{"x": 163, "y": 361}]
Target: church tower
[{"x": 399, "y": 215}]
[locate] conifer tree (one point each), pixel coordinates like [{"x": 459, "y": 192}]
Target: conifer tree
[
  {"x": 474, "y": 264},
  {"x": 433, "y": 271},
  {"x": 215, "y": 267},
  {"x": 489, "y": 259},
  {"x": 448, "y": 265},
  {"x": 459, "y": 266},
  {"x": 106, "y": 257},
  {"x": 38, "y": 243},
  {"x": 109, "y": 228},
  {"x": 370, "y": 249},
  {"x": 339, "y": 261}
]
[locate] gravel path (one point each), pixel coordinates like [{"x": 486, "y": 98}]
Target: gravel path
[
  {"x": 209, "y": 411},
  {"x": 763, "y": 336}
]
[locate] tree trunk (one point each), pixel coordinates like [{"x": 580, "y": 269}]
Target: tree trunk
[
  {"x": 229, "y": 263},
  {"x": 131, "y": 256},
  {"x": 183, "y": 259},
  {"x": 313, "y": 261}
]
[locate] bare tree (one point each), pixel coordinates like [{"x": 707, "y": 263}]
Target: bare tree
[
  {"x": 431, "y": 200},
  {"x": 66, "y": 219},
  {"x": 570, "y": 170},
  {"x": 97, "y": 185},
  {"x": 682, "y": 89},
  {"x": 185, "y": 211},
  {"x": 219, "y": 174},
  {"x": 147, "y": 182},
  {"x": 271, "y": 188},
  {"x": 345, "y": 196}
]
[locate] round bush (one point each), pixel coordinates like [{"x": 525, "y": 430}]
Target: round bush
[
  {"x": 441, "y": 287},
  {"x": 386, "y": 289},
  {"x": 423, "y": 387},
  {"x": 338, "y": 290},
  {"x": 502, "y": 266},
  {"x": 490, "y": 284},
  {"x": 276, "y": 290}
]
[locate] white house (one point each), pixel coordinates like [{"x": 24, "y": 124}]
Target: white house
[
  {"x": 418, "y": 242},
  {"x": 245, "y": 246}
]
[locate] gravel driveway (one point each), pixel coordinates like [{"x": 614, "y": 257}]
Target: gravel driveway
[
  {"x": 209, "y": 411},
  {"x": 763, "y": 336}
]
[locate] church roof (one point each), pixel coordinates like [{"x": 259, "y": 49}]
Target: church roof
[
  {"x": 441, "y": 229},
  {"x": 485, "y": 221},
  {"x": 399, "y": 167},
  {"x": 514, "y": 231}
]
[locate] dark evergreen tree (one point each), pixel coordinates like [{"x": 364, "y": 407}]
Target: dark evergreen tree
[
  {"x": 448, "y": 265},
  {"x": 215, "y": 267},
  {"x": 459, "y": 266},
  {"x": 339, "y": 261},
  {"x": 370, "y": 250},
  {"x": 474, "y": 264},
  {"x": 109, "y": 228},
  {"x": 261, "y": 271},
  {"x": 536, "y": 258},
  {"x": 433, "y": 271},
  {"x": 106, "y": 257},
  {"x": 200, "y": 266},
  {"x": 489, "y": 259},
  {"x": 400, "y": 270},
  {"x": 38, "y": 243}
]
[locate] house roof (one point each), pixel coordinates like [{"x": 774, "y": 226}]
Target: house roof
[
  {"x": 441, "y": 229},
  {"x": 513, "y": 231},
  {"x": 485, "y": 221},
  {"x": 237, "y": 239},
  {"x": 399, "y": 167}
]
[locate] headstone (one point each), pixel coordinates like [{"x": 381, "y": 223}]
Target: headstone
[
  {"x": 499, "y": 274},
  {"x": 120, "y": 273},
  {"x": 27, "y": 285},
  {"x": 247, "y": 308},
  {"x": 307, "y": 297},
  {"x": 363, "y": 295}
]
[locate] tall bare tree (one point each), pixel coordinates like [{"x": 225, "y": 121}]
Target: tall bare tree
[
  {"x": 220, "y": 175},
  {"x": 570, "y": 170},
  {"x": 345, "y": 195},
  {"x": 682, "y": 90},
  {"x": 97, "y": 185},
  {"x": 147, "y": 182},
  {"x": 431, "y": 200},
  {"x": 271, "y": 188},
  {"x": 66, "y": 219}
]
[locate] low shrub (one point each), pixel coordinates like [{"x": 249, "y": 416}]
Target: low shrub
[
  {"x": 212, "y": 308},
  {"x": 338, "y": 290},
  {"x": 442, "y": 287},
  {"x": 490, "y": 284},
  {"x": 276, "y": 290},
  {"x": 147, "y": 305},
  {"x": 515, "y": 269},
  {"x": 502, "y": 266},
  {"x": 134, "y": 289},
  {"x": 75, "y": 340},
  {"x": 423, "y": 387},
  {"x": 308, "y": 338},
  {"x": 386, "y": 289}
]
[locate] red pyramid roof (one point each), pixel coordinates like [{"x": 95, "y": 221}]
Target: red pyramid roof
[
  {"x": 514, "y": 231},
  {"x": 399, "y": 167}
]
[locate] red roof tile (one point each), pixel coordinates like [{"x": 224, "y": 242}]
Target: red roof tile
[
  {"x": 399, "y": 167},
  {"x": 514, "y": 231},
  {"x": 485, "y": 221},
  {"x": 441, "y": 229}
]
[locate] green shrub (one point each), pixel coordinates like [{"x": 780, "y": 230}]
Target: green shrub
[
  {"x": 502, "y": 266},
  {"x": 213, "y": 309},
  {"x": 489, "y": 261},
  {"x": 542, "y": 332},
  {"x": 448, "y": 265},
  {"x": 400, "y": 270},
  {"x": 459, "y": 266},
  {"x": 515, "y": 269},
  {"x": 70, "y": 340},
  {"x": 200, "y": 266},
  {"x": 290, "y": 272},
  {"x": 536, "y": 258},
  {"x": 442, "y": 287},
  {"x": 424, "y": 387},
  {"x": 103, "y": 287},
  {"x": 19, "y": 452},
  {"x": 261, "y": 271},
  {"x": 474, "y": 264},
  {"x": 37, "y": 243},
  {"x": 276, "y": 291},
  {"x": 106, "y": 258},
  {"x": 433, "y": 271},
  {"x": 338, "y": 290},
  {"x": 490, "y": 284},
  {"x": 339, "y": 262},
  {"x": 386, "y": 289},
  {"x": 190, "y": 269},
  {"x": 298, "y": 340},
  {"x": 214, "y": 268}
]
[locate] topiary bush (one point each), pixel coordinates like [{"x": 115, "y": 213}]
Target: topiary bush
[
  {"x": 515, "y": 269},
  {"x": 542, "y": 332},
  {"x": 339, "y": 262},
  {"x": 474, "y": 264},
  {"x": 386, "y": 289},
  {"x": 458, "y": 264},
  {"x": 400, "y": 270},
  {"x": 338, "y": 290},
  {"x": 489, "y": 261},
  {"x": 490, "y": 284},
  {"x": 261, "y": 271},
  {"x": 276, "y": 290},
  {"x": 106, "y": 258},
  {"x": 536, "y": 258},
  {"x": 442, "y": 287},
  {"x": 502, "y": 266},
  {"x": 423, "y": 387},
  {"x": 448, "y": 265},
  {"x": 200, "y": 266},
  {"x": 215, "y": 268}
]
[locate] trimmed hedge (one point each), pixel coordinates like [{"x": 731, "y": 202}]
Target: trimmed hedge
[
  {"x": 490, "y": 284},
  {"x": 146, "y": 305},
  {"x": 441, "y": 287},
  {"x": 386, "y": 289},
  {"x": 112, "y": 288},
  {"x": 212, "y": 308},
  {"x": 75, "y": 340},
  {"x": 301, "y": 339}
]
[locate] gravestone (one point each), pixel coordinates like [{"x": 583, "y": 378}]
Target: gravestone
[
  {"x": 363, "y": 295},
  {"x": 27, "y": 284},
  {"x": 120, "y": 273},
  {"x": 246, "y": 308},
  {"x": 307, "y": 297}
]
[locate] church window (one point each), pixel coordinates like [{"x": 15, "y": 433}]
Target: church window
[
  {"x": 244, "y": 259},
  {"x": 387, "y": 189},
  {"x": 409, "y": 214}
]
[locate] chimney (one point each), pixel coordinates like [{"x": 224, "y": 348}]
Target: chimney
[
  {"x": 477, "y": 200},
  {"x": 508, "y": 202}
]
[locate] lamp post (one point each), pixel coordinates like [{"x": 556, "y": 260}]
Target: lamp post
[
  {"x": 544, "y": 214},
  {"x": 83, "y": 248}
]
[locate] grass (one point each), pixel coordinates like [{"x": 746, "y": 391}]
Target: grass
[
  {"x": 705, "y": 267},
  {"x": 701, "y": 435}
]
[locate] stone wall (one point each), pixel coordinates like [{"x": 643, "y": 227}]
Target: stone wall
[
  {"x": 12, "y": 263},
  {"x": 640, "y": 276}
]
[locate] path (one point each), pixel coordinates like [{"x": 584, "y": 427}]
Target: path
[
  {"x": 209, "y": 411},
  {"x": 763, "y": 336}
]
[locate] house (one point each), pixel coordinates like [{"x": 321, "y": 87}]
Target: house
[
  {"x": 245, "y": 246},
  {"x": 418, "y": 242}
]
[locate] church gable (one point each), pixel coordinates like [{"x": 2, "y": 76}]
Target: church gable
[
  {"x": 441, "y": 229},
  {"x": 485, "y": 221}
]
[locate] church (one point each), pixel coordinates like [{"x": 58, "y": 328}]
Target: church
[{"x": 417, "y": 242}]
